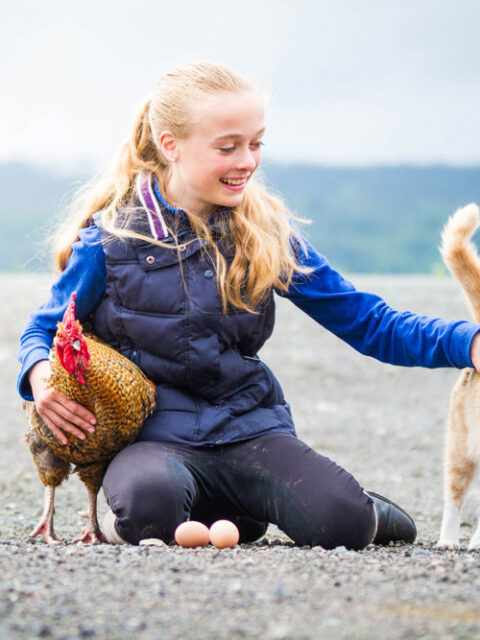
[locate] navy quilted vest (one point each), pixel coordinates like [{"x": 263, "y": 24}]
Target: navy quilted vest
[{"x": 161, "y": 309}]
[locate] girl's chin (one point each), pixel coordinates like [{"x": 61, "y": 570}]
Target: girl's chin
[
  {"x": 231, "y": 202},
  {"x": 233, "y": 195}
]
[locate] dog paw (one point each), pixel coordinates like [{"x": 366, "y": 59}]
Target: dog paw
[{"x": 447, "y": 545}]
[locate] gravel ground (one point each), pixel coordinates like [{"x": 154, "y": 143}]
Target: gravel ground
[{"x": 384, "y": 424}]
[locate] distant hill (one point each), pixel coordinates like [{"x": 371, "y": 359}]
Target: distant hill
[
  {"x": 375, "y": 219},
  {"x": 30, "y": 201},
  {"x": 380, "y": 219}
]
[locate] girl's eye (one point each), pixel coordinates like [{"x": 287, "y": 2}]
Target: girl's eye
[{"x": 253, "y": 145}]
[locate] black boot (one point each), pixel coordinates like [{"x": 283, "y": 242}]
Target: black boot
[{"x": 394, "y": 524}]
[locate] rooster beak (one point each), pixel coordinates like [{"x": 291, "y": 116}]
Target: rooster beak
[{"x": 76, "y": 345}]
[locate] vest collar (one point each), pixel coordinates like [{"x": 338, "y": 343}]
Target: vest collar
[{"x": 160, "y": 213}]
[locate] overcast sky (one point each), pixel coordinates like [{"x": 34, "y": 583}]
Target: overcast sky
[{"x": 350, "y": 81}]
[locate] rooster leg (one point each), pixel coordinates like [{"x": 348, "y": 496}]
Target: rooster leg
[
  {"x": 92, "y": 533},
  {"x": 45, "y": 526}
]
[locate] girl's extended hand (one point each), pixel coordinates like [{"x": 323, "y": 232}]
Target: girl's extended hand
[
  {"x": 475, "y": 352},
  {"x": 60, "y": 414}
]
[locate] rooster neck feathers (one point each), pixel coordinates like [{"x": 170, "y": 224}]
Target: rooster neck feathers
[{"x": 70, "y": 344}]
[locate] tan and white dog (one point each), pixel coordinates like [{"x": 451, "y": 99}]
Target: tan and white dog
[{"x": 462, "y": 447}]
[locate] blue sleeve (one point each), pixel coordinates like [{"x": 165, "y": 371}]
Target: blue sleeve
[
  {"x": 370, "y": 326},
  {"x": 85, "y": 273}
]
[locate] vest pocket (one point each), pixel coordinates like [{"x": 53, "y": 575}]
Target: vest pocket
[
  {"x": 266, "y": 370},
  {"x": 276, "y": 394},
  {"x": 262, "y": 390},
  {"x": 170, "y": 398}
]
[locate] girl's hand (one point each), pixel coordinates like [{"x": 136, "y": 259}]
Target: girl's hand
[
  {"x": 60, "y": 414},
  {"x": 475, "y": 352}
]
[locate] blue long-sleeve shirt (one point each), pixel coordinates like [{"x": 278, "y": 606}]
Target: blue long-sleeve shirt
[{"x": 361, "y": 319}]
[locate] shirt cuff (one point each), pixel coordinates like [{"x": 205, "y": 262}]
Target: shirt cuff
[
  {"x": 23, "y": 384},
  {"x": 461, "y": 344}
]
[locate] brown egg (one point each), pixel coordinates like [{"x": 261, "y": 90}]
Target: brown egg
[
  {"x": 191, "y": 534},
  {"x": 224, "y": 534}
]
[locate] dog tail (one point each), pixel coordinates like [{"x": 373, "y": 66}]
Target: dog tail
[{"x": 460, "y": 255}]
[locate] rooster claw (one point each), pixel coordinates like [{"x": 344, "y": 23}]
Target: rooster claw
[
  {"x": 46, "y": 531},
  {"x": 90, "y": 537}
]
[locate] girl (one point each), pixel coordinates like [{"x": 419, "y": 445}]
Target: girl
[{"x": 175, "y": 258}]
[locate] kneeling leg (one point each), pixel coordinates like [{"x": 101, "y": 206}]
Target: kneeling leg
[{"x": 150, "y": 491}]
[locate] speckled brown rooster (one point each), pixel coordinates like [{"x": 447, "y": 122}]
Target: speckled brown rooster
[{"x": 110, "y": 386}]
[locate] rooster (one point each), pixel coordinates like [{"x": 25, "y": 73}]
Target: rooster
[{"x": 109, "y": 385}]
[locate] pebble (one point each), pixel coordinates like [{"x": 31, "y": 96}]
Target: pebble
[{"x": 152, "y": 542}]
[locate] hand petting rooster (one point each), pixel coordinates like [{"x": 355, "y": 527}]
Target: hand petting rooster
[{"x": 109, "y": 385}]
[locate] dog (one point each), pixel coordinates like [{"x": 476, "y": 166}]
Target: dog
[{"x": 462, "y": 446}]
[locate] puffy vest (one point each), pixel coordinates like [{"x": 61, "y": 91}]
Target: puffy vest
[{"x": 162, "y": 310}]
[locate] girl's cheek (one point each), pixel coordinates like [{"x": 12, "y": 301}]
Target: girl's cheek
[{"x": 221, "y": 164}]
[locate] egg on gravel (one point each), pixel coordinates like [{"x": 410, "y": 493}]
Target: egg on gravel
[
  {"x": 224, "y": 534},
  {"x": 192, "y": 534}
]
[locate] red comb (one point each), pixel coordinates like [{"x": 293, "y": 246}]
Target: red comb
[
  {"x": 72, "y": 349},
  {"x": 69, "y": 315}
]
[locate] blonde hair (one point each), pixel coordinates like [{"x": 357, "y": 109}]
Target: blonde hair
[{"x": 260, "y": 227}]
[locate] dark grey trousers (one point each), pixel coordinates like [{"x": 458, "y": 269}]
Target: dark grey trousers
[{"x": 153, "y": 486}]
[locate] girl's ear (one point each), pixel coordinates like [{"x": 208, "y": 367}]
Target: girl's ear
[{"x": 168, "y": 145}]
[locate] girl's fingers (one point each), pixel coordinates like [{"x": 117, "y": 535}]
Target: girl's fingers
[
  {"x": 59, "y": 413},
  {"x": 74, "y": 412},
  {"x": 67, "y": 410},
  {"x": 57, "y": 432},
  {"x": 59, "y": 426}
]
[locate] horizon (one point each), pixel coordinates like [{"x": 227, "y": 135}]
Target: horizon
[{"x": 75, "y": 171}]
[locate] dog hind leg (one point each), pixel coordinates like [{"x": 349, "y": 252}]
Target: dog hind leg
[
  {"x": 474, "y": 543},
  {"x": 459, "y": 469},
  {"x": 459, "y": 476}
]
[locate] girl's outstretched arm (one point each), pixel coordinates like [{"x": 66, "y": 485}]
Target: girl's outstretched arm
[{"x": 371, "y": 326}]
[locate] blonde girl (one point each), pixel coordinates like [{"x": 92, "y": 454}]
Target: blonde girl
[{"x": 176, "y": 256}]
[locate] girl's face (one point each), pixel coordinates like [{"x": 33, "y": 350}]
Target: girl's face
[{"x": 214, "y": 163}]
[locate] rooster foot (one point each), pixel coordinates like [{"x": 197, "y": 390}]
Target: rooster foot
[
  {"x": 90, "y": 537},
  {"x": 45, "y": 529}
]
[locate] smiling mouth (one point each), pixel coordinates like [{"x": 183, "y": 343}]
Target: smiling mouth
[{"x": 232, "y": 182}]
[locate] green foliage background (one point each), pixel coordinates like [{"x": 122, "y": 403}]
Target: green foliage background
[{"x": 375, "y": 219}]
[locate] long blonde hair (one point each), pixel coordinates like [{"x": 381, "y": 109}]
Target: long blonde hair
[{"x": 260, "y": 227}]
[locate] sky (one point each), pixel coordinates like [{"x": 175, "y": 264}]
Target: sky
[{"x": 348, "y": 82}]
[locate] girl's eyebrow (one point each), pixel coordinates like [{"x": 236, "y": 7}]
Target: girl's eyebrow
[{"x": 238, "y": 135}]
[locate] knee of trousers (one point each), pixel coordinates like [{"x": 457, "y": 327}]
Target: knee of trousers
[
  {"x": 347, "y": 522},
  {"x": 153, "y": 502},
  {"x": 249, "y": 529}
]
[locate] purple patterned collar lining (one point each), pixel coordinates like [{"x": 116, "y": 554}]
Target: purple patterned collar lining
[
  {"x": 150, "y": 203},
  {"x": 153, "y": 201}
]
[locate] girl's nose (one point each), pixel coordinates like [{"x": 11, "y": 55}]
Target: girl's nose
[{"x": 247, "y": 160}]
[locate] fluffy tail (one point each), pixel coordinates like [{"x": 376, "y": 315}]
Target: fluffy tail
[{"x": 460, "y": 255}]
